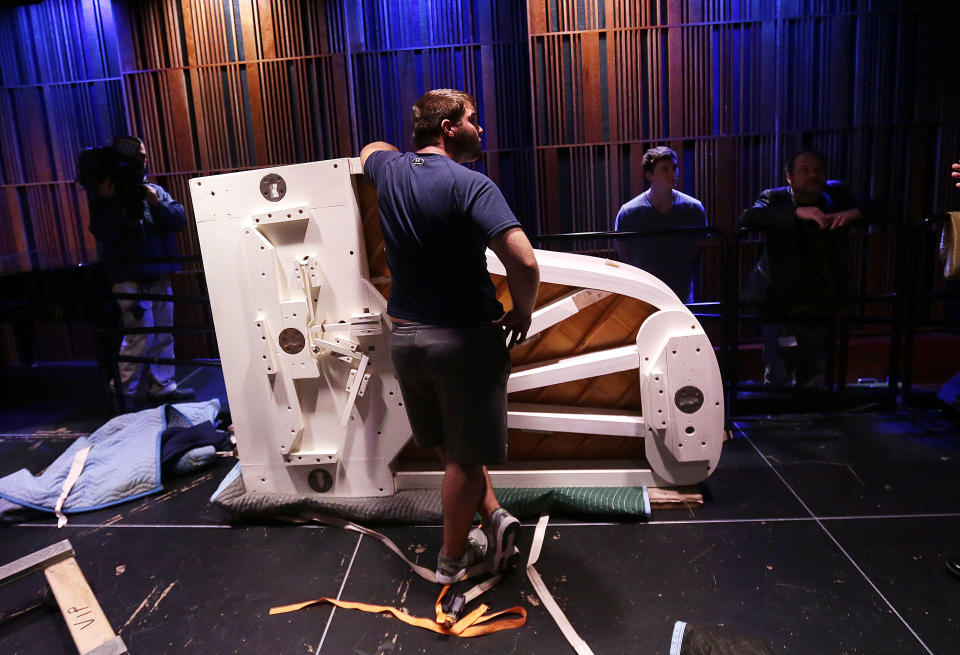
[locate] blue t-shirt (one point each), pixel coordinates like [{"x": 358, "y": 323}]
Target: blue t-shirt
[
  {"x": 437, "y": 218},
  {"x": 671, "y": 257}
]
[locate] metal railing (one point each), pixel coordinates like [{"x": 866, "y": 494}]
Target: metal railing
[
  {"x": 110, "y": 336},
  {"x": 910, "y": 302},
  {"x": 890, "y": 313}
]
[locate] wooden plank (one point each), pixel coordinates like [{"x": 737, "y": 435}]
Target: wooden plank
[
  {"x": 578, "y": 419},
  {"x": 489, "y": 87},
  {"x": 676, "y": 79},
  {"x": 592, "y": 88},
  {"x": 549, "y": 185},
  {"x": 267, "y": 36},
  {"x": 577, "y": 367},
  {"x": 35, "y": 561},
  {"x": 675, "y": 498},
  {"x": 179, "y": 113},
  {"x": 339, "y": 105},
  {"x": 526, "y": 445},
  {"x": 88, "y": 624},
  {"x": 16, "y": 230},
  {"x": 547, "y": 316}
]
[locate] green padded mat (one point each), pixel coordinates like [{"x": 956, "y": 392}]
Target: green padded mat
[{"x": 424, "y": 506}]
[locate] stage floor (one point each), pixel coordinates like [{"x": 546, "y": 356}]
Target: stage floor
[{"x": 818, "y": 535}]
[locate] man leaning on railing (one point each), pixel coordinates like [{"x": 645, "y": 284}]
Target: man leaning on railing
[{"x": 801, "y": 272}]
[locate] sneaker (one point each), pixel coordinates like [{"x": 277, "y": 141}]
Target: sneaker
[
  {"x": 502, "y": 530},
  {"x": 452, "y": 569}
]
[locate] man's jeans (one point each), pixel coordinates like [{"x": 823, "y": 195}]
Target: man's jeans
[
  {"x": 139, "y": 379},
  {"x": 796, "y": 352}
]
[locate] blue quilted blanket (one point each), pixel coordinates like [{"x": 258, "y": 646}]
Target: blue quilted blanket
[{"x": 123, "y": 463}]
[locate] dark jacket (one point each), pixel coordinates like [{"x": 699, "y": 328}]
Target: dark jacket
[
  {"x": 803, "y": 267},
  {"x": 128, "y": 240}
]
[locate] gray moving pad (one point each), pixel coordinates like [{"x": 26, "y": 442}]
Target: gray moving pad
[
  {"x": 713, "y": 640},
  {"x": 424, "y": 506}
]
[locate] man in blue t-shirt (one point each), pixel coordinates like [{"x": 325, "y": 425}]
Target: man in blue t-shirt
[
  {"x": 671, "y": 257},
  {"x": 448, "y": 328}
]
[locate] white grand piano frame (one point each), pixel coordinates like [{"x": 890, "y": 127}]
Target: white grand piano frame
[{"x": 304, "y": 342}]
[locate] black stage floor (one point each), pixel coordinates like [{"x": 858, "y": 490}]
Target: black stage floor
[{"x": 817, "y": 535}]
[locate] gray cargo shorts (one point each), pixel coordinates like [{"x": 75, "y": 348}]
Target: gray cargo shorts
[{"x": 454, "y": 386}]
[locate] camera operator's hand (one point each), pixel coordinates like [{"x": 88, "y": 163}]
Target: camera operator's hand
[
  {"x": 106, "y": 189},
  {"x": 150, "y": 195}
]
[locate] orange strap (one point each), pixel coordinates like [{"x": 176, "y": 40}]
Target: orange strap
[{"x": 468, "y": 626}]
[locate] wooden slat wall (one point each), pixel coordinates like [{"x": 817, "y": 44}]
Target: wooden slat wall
[
  {"x": 60, "y": 92},
  {"x": 398, "y": 50},
  {"x": 571, "y": 93},
  {"x": 734, "y": 86},
  {"x": 222, "y": 85}
]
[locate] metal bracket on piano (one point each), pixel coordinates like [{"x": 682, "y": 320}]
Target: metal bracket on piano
[
  {"x": 358, "y": 379},
  {"x": 345, "y": 348},
  {"x": 351, "y": 381},
  {"x": 356, "y": 386},
  {"x": 360, "y": 325}
]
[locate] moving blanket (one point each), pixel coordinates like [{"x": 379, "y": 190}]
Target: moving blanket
[
  {"x": 424, "y": 506},
  {"x": 698, "y": 640},
  {"x": 123, "y": 462}
]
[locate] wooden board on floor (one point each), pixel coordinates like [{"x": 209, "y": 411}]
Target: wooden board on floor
[
  {"x": 677, "y": 498},
  {"x": 88, "y": 625}
]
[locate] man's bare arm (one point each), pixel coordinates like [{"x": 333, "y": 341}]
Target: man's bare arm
[
  {"x": 371, "y": 148},
  {"x": 523, "y": 277}
]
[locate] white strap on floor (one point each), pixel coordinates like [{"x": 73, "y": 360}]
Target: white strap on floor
[
  {"x": 478, "y": 589},
  {"x": 676, "y": 642},
  {"x": 427, "y": 574},
  {"x": 76, "y": 468},
  {"x": 579, "y": 645}
]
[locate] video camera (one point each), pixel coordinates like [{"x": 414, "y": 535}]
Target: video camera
[{"x": 124, "y": 165}]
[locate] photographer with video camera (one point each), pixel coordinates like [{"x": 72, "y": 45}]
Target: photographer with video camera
[{"x": 135, "y": 223}]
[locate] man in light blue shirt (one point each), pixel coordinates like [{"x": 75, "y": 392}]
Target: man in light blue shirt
[{"x": 673, "y": 258}]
